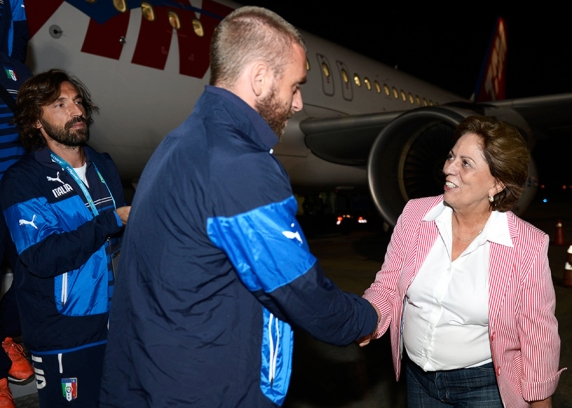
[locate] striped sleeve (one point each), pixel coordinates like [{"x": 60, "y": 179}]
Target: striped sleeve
[{"x": 537, "y": 326}]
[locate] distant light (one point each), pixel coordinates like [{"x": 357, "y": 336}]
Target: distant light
[
  {"x": 362, "y": 220},
  {"x": 542, "y": 186},
  {"x": 563, "y": 187},
  {"x": 545, "y": 200}
]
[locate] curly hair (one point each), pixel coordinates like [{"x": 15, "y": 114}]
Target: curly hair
[
  {"x": 42, "y": 90},
  {"x": 505, "y": 152}
]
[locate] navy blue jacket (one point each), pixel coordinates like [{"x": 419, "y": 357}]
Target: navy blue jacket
[
  {"x": 12, "y": 76},
  {"x": 214, "y": 271},
  {"x": 63, "y": 278}
]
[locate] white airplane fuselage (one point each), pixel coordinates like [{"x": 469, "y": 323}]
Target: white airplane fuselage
[{"x": 139, "y": 105}]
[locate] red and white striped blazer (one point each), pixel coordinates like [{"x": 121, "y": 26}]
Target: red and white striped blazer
[{"x": 523, "y": 330}]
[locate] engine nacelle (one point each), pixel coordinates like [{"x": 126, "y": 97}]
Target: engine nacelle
[{"x": 406, "y": 159}]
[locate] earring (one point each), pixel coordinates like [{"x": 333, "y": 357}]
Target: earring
[{"x": 491, "y": 199}]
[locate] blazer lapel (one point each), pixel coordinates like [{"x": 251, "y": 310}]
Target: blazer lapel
[
  {"x": 423, "y": 242},
  {"x": 502, "y": 264}
]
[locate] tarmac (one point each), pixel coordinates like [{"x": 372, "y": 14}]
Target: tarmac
[{"x": 354, "y": 377}]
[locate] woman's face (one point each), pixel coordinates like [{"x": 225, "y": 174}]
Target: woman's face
[{"x": 468, "y": 180}]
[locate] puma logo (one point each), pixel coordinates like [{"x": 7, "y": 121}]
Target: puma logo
[
  {"x": 292, "y": 235},
  {"x": 26, "y": 222},
  {"x": 57, "y": 178}
]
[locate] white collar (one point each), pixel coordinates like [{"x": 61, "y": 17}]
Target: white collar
[{"x": 495, "y": 230}]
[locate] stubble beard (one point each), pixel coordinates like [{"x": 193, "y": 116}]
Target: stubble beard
[{"x": 273, "y": 113}]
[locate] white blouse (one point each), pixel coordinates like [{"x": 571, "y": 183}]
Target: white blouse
[{"x": 445, "y": 321}]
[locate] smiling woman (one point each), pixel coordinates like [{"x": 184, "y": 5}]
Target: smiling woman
[{"x": 470, "y": 283}]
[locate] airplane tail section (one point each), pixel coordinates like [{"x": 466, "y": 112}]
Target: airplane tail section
[{"x": 492, "y": 79}]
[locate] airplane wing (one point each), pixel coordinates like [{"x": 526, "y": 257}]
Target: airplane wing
[
  {"x": 551, "y": 112},
  {"x": 345, "y": 140}
]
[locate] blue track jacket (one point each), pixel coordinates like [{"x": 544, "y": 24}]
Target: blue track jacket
[
  {"x": 215, "y": 271},
  {"x": 63, "y": 277}
]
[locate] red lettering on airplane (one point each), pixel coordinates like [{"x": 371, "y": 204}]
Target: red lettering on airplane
[
  {"x": 194, "y": 51},
  {"x": 38, "y": 12},
  {"x": 154, "y": 40},
  {"x": 103, "y": 39}
]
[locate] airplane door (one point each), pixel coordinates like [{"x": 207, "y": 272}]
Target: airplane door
[
  {"x": 347, "y": 90},
  {"x": 327, "y": 79}
]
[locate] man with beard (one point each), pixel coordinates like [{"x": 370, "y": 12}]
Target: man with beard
[
  {"x": 215, "y": 269},
  {"x": 64, "y": 206}
]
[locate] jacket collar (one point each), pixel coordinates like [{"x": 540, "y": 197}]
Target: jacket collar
[
  {"x": 245, "y": 112},
  {"x": 43, "y": 156}
]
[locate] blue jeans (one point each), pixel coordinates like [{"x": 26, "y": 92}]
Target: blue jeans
[{"x": 462, "y": 388}]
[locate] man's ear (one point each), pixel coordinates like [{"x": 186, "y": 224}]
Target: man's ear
[
  {"x": 260, "y": 78},
  {"x": 38, "y": 125}
]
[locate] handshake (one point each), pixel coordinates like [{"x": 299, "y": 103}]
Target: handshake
[{"x": 364, "y": 341}]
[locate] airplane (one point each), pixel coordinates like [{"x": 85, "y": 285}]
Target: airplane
[{"x": 364, "y": 126}]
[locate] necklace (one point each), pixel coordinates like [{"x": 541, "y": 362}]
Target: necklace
[{"x": 466, "y": 240}]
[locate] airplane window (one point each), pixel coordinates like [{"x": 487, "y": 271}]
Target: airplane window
[
  {"x": 424, "y": 101},
  {"x": 418, "y": 100},
  {"x": 147, "y": 11},
  {"x": 386, "y": 89},
  {"x": 367, "y": 83},
  {"x": 403, "y": 96},
  {"x": 430, "y": 102},
  {"x": 357, "y": 80},
  {"x": 175, "y": 22},
  {"x": 90, "y": 1},
  {"x": 120, "y": 5},
  {"x": 377, "y": 86},
  {"x": 395, "y": 93},
  {"x": 411, "y": 100},
  {"x": 198, "y": 28},
  {"x": 325, "y": 70},
  {"x": 345, "y": 76},
  {"x": 307, "y": 64}
]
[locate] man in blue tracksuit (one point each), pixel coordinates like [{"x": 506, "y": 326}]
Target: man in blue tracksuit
[
  {"x": 13, "y": 363},
  {"x": 63, "y": 204},
  {"x": 215, "y": 270},
  {"x": 13, "y": 72}
]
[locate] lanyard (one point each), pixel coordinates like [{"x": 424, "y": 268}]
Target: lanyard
[{"x": 69, "y": 169}]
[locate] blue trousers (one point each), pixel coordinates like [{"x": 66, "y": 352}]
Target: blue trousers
[
  {"x": 70, "y": 379},
  {"x": 462, "y": 388}
]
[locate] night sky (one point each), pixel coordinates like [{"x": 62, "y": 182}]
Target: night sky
[{"x": 447, "y": 45}]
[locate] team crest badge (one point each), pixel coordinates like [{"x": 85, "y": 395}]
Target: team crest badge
[
  {"x": 69, "y": 388},
  {"x": 10, "y": 74}
]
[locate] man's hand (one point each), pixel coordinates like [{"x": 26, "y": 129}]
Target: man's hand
[
  {"x": 364, "y": 341},
  {"x": 123, "y": 213}
]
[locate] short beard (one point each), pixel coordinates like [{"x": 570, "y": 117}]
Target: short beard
[
  {"x": 272, "y": 112},
  {"x": 66, "y": 137}
]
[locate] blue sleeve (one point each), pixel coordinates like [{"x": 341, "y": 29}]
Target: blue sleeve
[
  {"x": 18, "y": 35},
  {"x": 270, "y": 254},
  {"x": 46, "y": 247}
]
